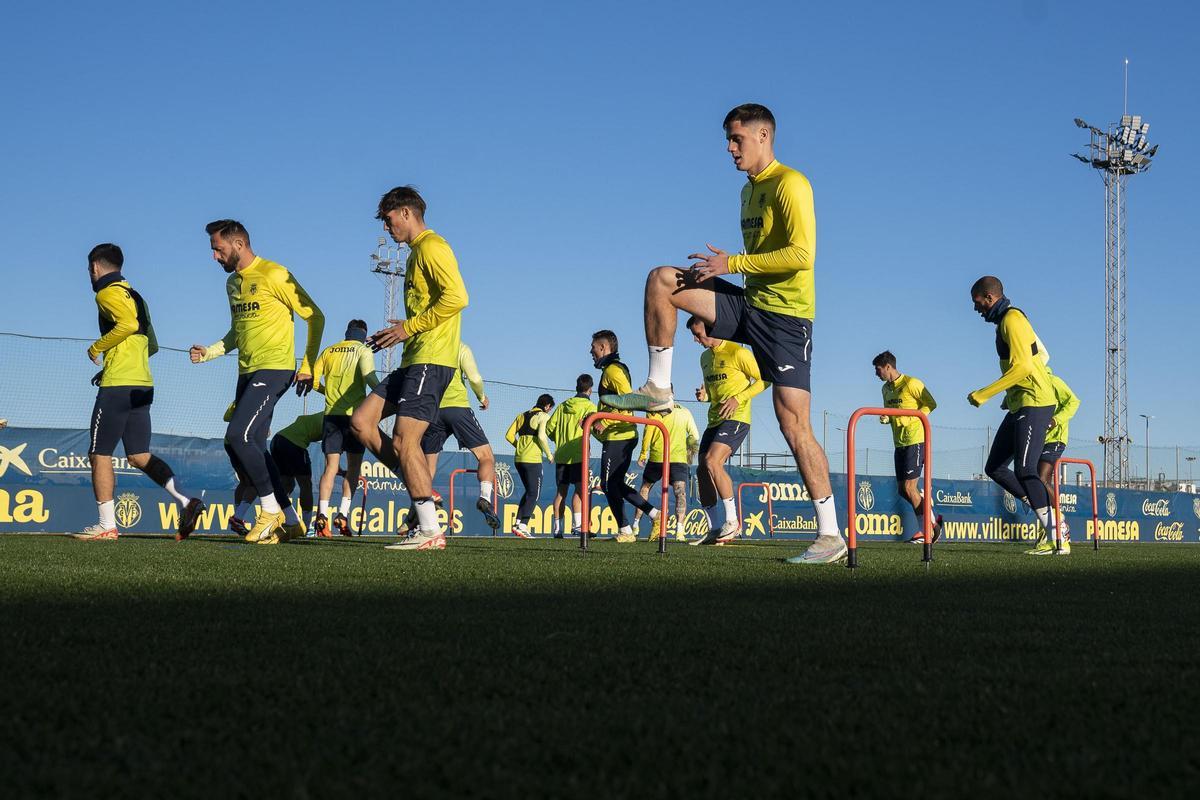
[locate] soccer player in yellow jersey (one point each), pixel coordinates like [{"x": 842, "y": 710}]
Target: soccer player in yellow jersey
[
  {"x": 685, "y": 441},
  {"x": 263, "y": 296},
  {"x": 434, "y": 297},
  {"x": 527, "y": 435},
  {"x": 1029, "y": 400},
  {"x": 565, "y": 429},
  {"x": 289, "y": 452},
  {"x": 343, "y": 373},
  {"x": 731, "y": 380},
  {"x": 908, "y": 435},
  {"x": 126, "y": 391},
  {"x": 618, "y": 439},
  {"x": 773, "y": 313},
  {"x": 1066, "y": 403}
]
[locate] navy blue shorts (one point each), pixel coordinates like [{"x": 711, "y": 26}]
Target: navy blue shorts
[
  {"x": 458, "y": 421},
  {"x": 727, "y": 432},
  {"x": 652, "y": 474},
  {"x": 336, "y": 437},
  {"x": 121, "y": 414},
  {"x": 782, "y": 345},
  {"x": 568, "y": 474},
  {"x": 910, "y": 460},
  {"x": 290, "y": 458},
  {"x": 415, "y": 391},
  {"x": 1052, "y": 452}
]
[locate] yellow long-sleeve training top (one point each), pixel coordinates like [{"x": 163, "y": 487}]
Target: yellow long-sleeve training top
[
  {"x": 566, "y": 429},
  {"x": 467, "y": 372},
  {"x": 779, "y": 231},
  {"x": 126, "y": 335},
  {"x": 344, "y": 373},
  {"x": 681, "y": 427},
  {"x": 527, "y": 435},
  {"x": 1066, "y": 403},
  {"x": 262, "y": 299},
  {"x": 907, "y": 392},
  {"x": 730, "y": 371},
  {"x": 434, "y": 297},
  {"x": 1024, "y": 377},
  {"x": 614, "y": 379}
]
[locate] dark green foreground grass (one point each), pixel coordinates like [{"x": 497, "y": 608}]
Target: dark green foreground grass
[{"x": 523, "y": 669}]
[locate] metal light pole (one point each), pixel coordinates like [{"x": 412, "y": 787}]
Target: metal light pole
[
  {"x": 1147, "y": 417},
  {"x": 388, "y": 263},
  {"x": 1189, "y": 459},
  {"x": 1116, "y": 153}
]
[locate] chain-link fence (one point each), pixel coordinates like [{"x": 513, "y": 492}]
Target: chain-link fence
[{"x": 45, "y": 383}]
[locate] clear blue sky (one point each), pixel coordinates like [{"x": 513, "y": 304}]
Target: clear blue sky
[{"x": 565, "y": 148}]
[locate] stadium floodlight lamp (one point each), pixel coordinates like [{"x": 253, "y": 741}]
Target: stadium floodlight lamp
[
  {"x": 1150, "y": 153},
  {"x": 1080, "y": 123},
  {"x": 1126, "y": 120},
  {"x": 1145, "y": 128}
]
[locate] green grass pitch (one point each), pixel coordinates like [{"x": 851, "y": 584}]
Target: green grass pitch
[{"x": 503, "y": 668}]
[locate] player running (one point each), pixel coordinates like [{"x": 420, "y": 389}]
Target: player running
[
  {"x": 908, "y": 435},
  {"x": 685, "y": 441},
  {"x": 126, "y": 391},
  {"x": 434, "y": 297},
  {"x": 527, "y": 435},
  {"x": 618, "y": 439},
  {"x": 773, "y": 313},
  {"x": 1066, "y": 403},
  {"x": 343, "y": 373},
  {"x": 731, "y": 380},
  {"x": 565, "y": 429},
  {"x": 1029, "y": 400},
  {"x": 263, "y": 296}
]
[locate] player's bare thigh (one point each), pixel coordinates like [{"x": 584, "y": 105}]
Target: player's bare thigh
[{"x": 673, "y": 284}]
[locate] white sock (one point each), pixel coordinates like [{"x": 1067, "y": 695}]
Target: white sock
[
  {"x": 427, "y": 516},
  {"x": 660, "y": 365},
  {"x": 290, "y": 517},
  {"x": 826, "y": 517},
  {"x": 108, "y": 514},
  {"x": 323, "y": 506},
  {"x": 344, "y": 506},
  {"x": 1046, "y": 517},
  {"x": 485, "y": 490},
  {"x": 679, "y": 527},
  {"x": 179, "y": 496},
  {"x": 269, "y": 504},
  {"x": 557, "y": 525},
  {"x": 730, "y": 509},
  {"x": 655, "y": 513},
  {"x": 242, "y": 510},
  {"x": 626, "y": 530}
]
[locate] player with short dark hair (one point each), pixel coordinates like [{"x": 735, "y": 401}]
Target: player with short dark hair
[
  {"x": 1028, "y": 400},
  {"x": 527, "y": 435},
  {"x": 344, "y": 372},
  {"x": 263, "y": 297},
  {"x": 434, "y": 297},
  {"x": 773, "y": 313},
  {"x": 565, "y": 429},
  {"x": 908, "y": 435},
  {"x": 124, "y": 395}
]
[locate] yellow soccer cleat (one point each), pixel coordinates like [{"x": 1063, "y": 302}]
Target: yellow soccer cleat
[
  {"x": 266, "y": 525},
  {"x": 626, "y": 538},
  {"x": 295, "y": 531},
  {"x": 1044, "y": 547}
]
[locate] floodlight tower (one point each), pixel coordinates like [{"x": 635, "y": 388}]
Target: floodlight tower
[
  {"x": 1116, "y": 153},
  {"x": 388, "y": 263}
]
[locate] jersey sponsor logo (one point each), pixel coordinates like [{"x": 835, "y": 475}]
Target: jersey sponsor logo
[
  {"x": 716, "y": 376},
  {"x": 27, "y": 505},
  {"x": 752, "y": 223},
  {"x": 242, "y": 308},
  {"x": 12, "y": 458},
  {"x": 1156, "y": 508},
  {"x": 1110, "y": 504},
  {"x": 127, "y": 510},
  {"x": 866, "y": 496}
]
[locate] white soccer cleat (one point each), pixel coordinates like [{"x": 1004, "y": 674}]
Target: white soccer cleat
[
  {"x": 420, "y": 540},
  {"x": 521, "y": 531},
  {"x": 648, "y": 398},
  {"x": 825, "y": 550},
  {"x": 729, "y": 531}
]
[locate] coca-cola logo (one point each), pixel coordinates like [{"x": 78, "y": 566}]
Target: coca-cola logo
[
  {"x": 1156, "y": 508},
  {"x": 1168, "y": 532}
]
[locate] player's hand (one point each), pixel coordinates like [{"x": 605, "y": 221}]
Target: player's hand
[
  {"x": 973, "y": 400},
  {"x": 484, "y": 403},
  {"x": 96, "y": 378},
  {"x": 884, "y": 419},
  {"x": 642, "y": 461},
  {"x": 95, "y": 357},
  {"x": 197, "y": 353},
  {"x": 729, "y": 407},
  {"x": 304, "y": 383},
  {"x": 388, "y": 337},
  {"x": 709, "y": 265}
]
